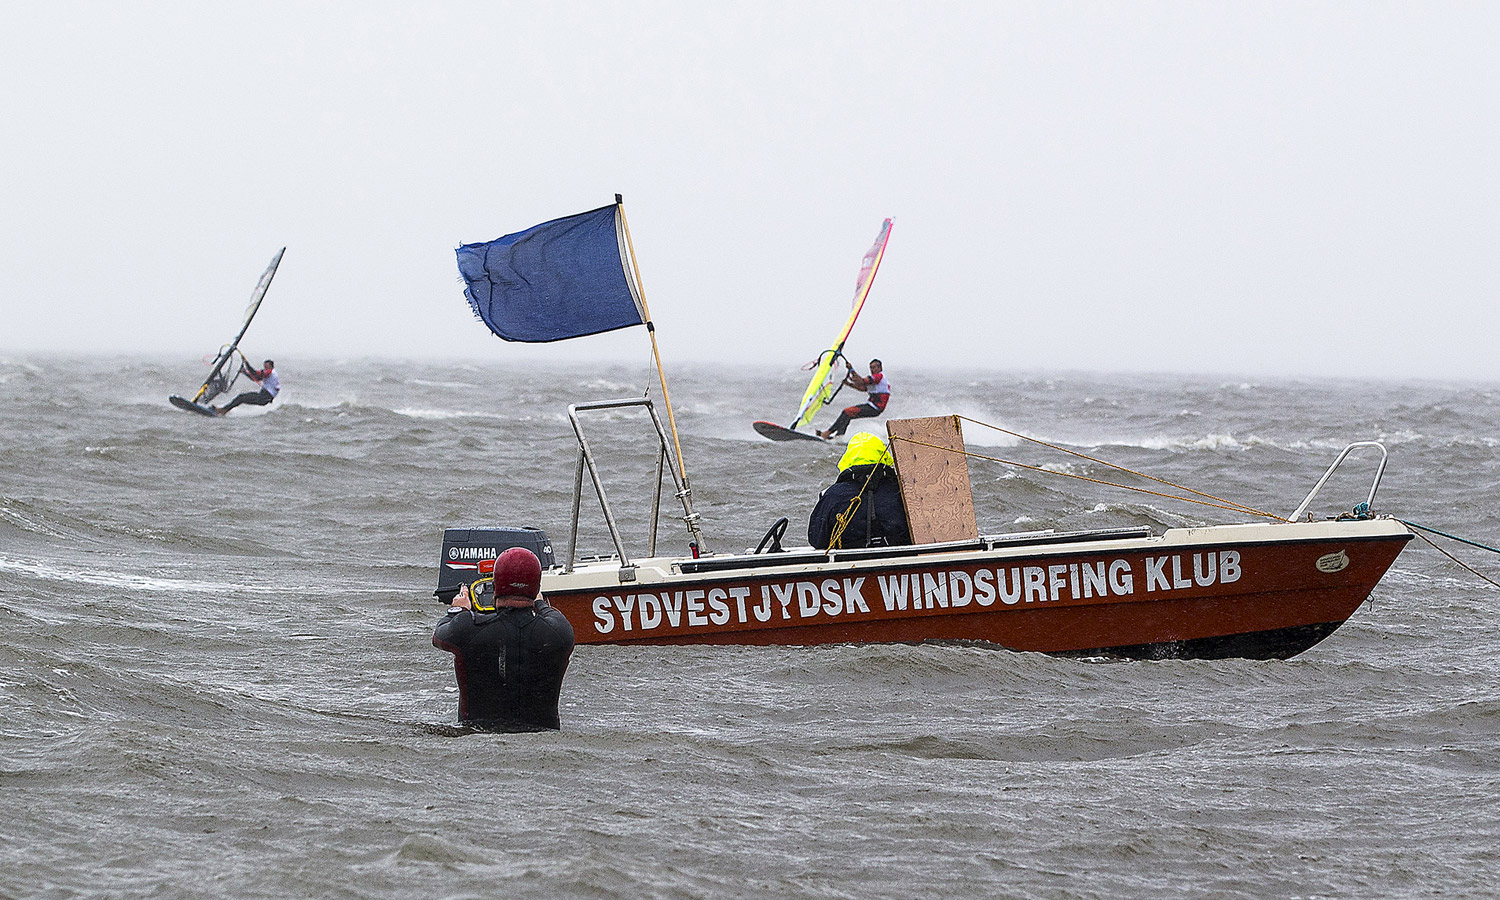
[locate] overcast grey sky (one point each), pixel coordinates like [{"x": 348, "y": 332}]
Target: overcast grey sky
[{"x": 1258, "y": 188}]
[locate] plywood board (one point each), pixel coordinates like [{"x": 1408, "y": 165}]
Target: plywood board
[{"x": 934, "y": 477}]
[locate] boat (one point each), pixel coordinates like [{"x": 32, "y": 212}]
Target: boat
[
  {"x": 1249, "y": 590},
  {"x": 222, "y": 375},
  {"x": 826, "y": 382},
  {"x": 1260, "y": 590}
]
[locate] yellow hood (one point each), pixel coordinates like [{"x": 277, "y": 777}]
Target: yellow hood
[{"x": 865, "y": 449}]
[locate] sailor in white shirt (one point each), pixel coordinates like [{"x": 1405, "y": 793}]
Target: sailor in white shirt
[{"x": 270, "y": 386}]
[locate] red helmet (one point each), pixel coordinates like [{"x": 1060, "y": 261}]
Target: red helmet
[{"x": 518, "y": 573}]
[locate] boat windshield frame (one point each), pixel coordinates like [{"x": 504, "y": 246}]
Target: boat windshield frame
[{"x": 663, "y": 465}]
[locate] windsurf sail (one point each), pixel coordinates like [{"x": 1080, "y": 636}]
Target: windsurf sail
[
  {"x": 825, "y": 381},
  {"x": 222, "y": 376}
]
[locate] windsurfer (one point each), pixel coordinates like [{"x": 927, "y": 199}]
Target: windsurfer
[
  {"x": 270, "y": 386},
  {"x": 880, "y": 394},
  {"x": 510, "y": 650},
  {"x": 863, "y": 507}
]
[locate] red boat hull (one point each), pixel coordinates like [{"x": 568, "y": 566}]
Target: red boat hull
[{"x": 1189, "y": 594}]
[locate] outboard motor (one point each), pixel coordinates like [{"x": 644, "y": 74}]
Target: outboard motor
[{"x": 464, "y": 548}]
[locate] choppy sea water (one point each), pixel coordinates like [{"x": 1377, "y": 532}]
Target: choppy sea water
[{"x": 216, "y": 675}]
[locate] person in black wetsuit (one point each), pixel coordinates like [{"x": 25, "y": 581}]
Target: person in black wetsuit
[
  {"x": 509, "y": 653},
  {"x": 863, "y": 507}
]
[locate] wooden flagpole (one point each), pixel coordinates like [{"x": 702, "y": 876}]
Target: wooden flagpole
[{"x": 661, "y": 374}]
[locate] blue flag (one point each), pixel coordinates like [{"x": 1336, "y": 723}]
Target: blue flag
[{"x": 560, "y": 279}]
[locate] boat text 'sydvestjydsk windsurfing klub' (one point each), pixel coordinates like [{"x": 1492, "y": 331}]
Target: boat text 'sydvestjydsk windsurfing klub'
[
  {"x": 826, "y": 380},
  {"x": 222, "y": 375},
  {"x": 1259, "y": 590}
]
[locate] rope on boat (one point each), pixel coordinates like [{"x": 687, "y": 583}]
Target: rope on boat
[
  {"x": 1228, "y": 504},
  {"x": 1360, "y": 511},
  {"x": 1211, "y": 500},
  {"x": 841, "y": 521},
  {"x": 1418, "y": 529}
]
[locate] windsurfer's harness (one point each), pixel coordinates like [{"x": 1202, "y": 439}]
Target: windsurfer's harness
[{"x": 879, "y": 393}]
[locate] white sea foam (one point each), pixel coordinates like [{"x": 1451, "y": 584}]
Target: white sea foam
[
  {"x": 28, "y": 523},
  {"x": 440, "y": 414},
  {"x": 127, "y": 581},
  {"x": 458, "y": 385}
]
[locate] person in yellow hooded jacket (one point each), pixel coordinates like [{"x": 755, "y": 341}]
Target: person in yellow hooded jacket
[{"x": 863, "y": 507}]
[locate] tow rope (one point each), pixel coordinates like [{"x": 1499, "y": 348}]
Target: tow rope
[
  {"x": 1361, "y": 511},
  {"x": 1418, "y": 529},
  {"x": 1200, "y": 497}
]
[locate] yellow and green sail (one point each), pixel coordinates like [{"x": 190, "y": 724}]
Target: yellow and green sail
[{"x": 825, "y": 381}]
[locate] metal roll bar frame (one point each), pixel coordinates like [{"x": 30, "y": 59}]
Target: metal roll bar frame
[
  {"x": 663, "y": 458},
  {"x": 1374, "y": 485}
]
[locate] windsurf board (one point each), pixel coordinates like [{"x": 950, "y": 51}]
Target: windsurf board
[
  {"x": 778, "y": 433},
  {"x": 190, "y": 406}
]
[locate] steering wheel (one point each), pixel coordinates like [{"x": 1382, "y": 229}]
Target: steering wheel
[{"x": 773, "y": 537}]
